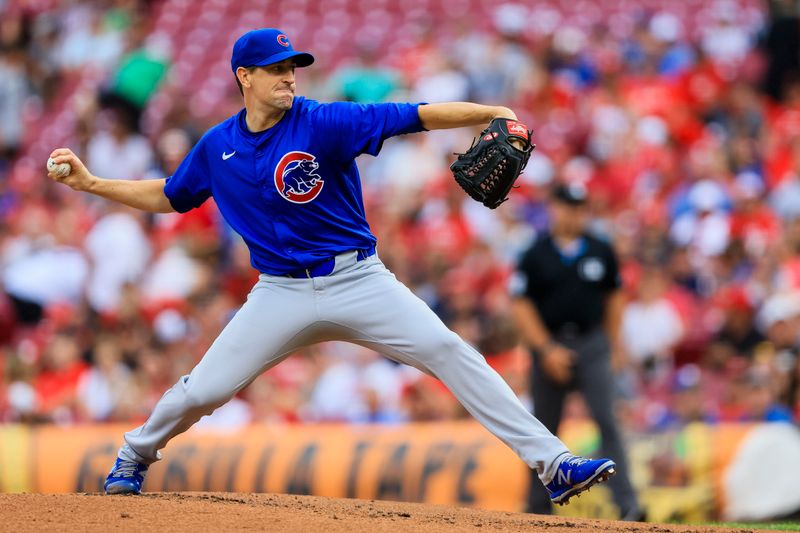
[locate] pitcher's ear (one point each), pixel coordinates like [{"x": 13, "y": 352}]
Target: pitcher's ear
[{"x": 243, "y": 75}]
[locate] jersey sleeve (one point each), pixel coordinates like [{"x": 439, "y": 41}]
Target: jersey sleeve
[
  {"x": 189, "y": 186},
  {"x": 355, "y": 129}
]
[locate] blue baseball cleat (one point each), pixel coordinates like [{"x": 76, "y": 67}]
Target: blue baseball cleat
[
  {"x": 126, "y": 477},
  {"x": 576, "y": 474}
]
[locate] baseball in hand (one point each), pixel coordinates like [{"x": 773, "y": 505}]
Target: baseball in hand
[{"x": 59, "y": 170}]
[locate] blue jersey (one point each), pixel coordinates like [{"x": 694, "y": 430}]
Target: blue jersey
[{"x": 292, "y": 191}]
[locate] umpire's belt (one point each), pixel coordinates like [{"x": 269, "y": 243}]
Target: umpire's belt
[{"x": 326, "y": 266}]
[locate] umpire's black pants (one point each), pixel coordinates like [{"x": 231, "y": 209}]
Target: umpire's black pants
[{"x": 593, "y": 377}]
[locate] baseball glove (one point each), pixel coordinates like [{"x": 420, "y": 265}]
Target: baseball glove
[{"x": 489, "y": 168}]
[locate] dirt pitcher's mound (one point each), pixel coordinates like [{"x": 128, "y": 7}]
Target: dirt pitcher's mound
[{"x": 197, "y": 511}]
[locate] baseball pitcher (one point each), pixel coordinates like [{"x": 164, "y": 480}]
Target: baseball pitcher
[{"x": 283, "y": 174}]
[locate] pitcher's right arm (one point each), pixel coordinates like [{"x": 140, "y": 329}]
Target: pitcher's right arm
[{"x": 147, "y": 195}]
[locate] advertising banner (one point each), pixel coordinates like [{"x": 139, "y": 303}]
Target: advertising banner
[{"x": 696, "y": 474}]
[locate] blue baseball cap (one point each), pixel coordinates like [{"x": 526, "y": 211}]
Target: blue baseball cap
[{"x": 258, "y": 48}]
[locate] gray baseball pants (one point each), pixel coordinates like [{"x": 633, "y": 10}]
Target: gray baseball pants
[{"x": 359, "y": 302}]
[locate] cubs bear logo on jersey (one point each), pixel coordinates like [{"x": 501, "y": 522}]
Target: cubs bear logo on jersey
[{"x": 296, "y": 178}]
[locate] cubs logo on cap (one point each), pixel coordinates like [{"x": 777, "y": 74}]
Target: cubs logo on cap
[{"x": 283, "y": 40}]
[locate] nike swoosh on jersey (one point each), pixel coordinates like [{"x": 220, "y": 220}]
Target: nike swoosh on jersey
[{"x": 225, "y": 156}]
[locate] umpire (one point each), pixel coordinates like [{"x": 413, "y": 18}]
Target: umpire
[{"x": 567, "y": 307}]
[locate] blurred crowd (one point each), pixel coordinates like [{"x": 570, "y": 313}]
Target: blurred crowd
[{"x": 687, "y": 136}]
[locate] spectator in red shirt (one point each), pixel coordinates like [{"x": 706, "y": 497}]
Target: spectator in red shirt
[{"x": 57, "y": 383}]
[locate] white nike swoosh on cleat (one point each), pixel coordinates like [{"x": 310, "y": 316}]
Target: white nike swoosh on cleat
[{"x": 225, "y": 156}]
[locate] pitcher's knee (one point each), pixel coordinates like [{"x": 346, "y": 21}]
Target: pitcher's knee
[
  {"x": 204, "y": 400},
  {"x": 446, "y": 349}
]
